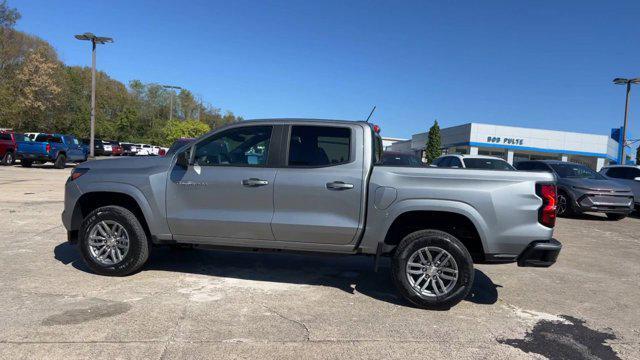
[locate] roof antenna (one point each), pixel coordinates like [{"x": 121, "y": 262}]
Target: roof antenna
[{"x": 371, "y": 113}]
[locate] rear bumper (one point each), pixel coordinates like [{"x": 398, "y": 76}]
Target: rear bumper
[
  {"x": 33, "y": 157},
  {"x": 540, "y": 253}
]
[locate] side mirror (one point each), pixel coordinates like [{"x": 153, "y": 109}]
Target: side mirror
[
  {"x": 637, "y": 178},
  {"x": 182, "y": 159}
]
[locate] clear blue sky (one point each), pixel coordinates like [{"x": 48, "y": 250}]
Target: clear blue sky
[{"x": 544, "y": 64}]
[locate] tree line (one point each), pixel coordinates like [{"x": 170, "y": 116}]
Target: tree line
[{"x": 38, "y": 93}]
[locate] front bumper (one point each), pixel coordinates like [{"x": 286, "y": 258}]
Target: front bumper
[
  {"x": 540, "y": 253},
  {"x": 605, "y": 203}
]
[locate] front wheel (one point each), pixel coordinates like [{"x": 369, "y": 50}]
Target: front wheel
[
  {"x": 616, "y": 217},
  {"x": 113, "y": 242},
  {"x": 8, "y": 158},
  {"x": 564, "y": 206},
  {"x": 432, "y": 269}
]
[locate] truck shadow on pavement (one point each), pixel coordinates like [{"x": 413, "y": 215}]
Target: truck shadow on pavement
[{"x": 347, "y": 272}]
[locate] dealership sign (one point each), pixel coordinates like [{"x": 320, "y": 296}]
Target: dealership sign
[{"x": 505, "y": 141}]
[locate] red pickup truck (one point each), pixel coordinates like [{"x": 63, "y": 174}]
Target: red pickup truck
[{"x": 8, "y": 146}]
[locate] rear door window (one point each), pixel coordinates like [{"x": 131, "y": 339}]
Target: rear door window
[
  {"x": 488, "y": 164},
  {"x": 455, "y": 162},
  {"x": 319, "y": 146},
  {"x": 524, "y": 166},
  {"x": 627, "y": 173},
  {"x": 445, "y": 162}
]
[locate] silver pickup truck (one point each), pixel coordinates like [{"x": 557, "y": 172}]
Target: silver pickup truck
[{"x": 316, "y": 186}]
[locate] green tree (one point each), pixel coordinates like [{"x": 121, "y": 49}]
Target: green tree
[
  {"x": 433, "y": 146},
  {"x": 176, "y": 129},
  {"x": 39, "y": 93}
]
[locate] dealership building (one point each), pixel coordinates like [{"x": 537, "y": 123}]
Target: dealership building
[{"x": 518, "y": 143}]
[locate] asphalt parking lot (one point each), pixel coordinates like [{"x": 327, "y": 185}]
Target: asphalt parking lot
[{"x": 210, "y": 304}]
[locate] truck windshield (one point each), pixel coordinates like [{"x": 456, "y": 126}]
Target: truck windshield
[
  {"x": 490, "y": 164},
  {"x": 575, "y": 171}
]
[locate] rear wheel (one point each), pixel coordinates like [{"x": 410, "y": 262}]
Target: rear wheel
[
  {"x": 113, "y": 242},
  {"x": 61, "y": 161},
  {"x": 26, "y": 163},
  {"x": 616, "y": 217},
  {"x": 8, "y": 158},
  {"x": 432, "y": 269}
]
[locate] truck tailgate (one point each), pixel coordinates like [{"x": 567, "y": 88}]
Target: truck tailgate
[{"x": 32, "y": 148}]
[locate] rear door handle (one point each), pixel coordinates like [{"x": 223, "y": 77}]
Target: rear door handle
[
  {"x": 253, "y": 182},
  {"x": 339, "y": 185}
]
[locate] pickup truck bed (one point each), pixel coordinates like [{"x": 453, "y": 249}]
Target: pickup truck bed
[{"x": 313, "y": 185}]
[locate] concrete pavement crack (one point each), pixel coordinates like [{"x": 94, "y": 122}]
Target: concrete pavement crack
[
  {"x": 300, "y": 323},
  {"x": 171, "y": 338}
]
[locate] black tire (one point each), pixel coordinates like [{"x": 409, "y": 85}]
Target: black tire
[
  {"x": 138, "y": 243},
  {"x": 60, "y": 162},
  {"x": 26, "y": 163},
  {"x": 616, "y": 217},
  {"x": 433, "y": 238},
  {"x": 568, "y": 209},
  {"x": 8, "y": 158}
]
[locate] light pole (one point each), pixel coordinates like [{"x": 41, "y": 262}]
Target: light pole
[
  {"x": 94, "y": 40},
  {"x": 628, "y": 82},
  {"x": 171, "y": 98}
]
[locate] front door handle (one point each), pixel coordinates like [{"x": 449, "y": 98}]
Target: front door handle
[
  {"x": 253, "y": 182},
  {"x": 339, "y": 185}
]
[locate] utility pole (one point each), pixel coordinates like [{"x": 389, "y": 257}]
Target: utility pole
[
  {"x": 94, "y": 41},
  {"x": 628, "y": 82},
  {"x": 172, "y": 87}
]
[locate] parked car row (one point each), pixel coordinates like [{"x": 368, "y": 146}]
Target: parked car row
[
  {"x": 117, "y": 148},
  {"x": 614, "y": 191},
  {"x": 33, "y": 148}
]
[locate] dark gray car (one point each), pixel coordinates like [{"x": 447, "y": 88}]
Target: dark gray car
[
  {"x": 581, "y": 189},
  {"x": 628, "y": 175}
]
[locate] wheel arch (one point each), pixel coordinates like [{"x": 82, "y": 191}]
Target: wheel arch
[
  {"x": 92, "y": 200},
  {"x": 458, "y": 218}
]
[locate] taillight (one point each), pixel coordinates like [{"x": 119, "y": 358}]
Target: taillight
[
  {"x": 77, "y": 172},
  {"x": 547, "y": 212},
  {"x": 48, "y": 147}
]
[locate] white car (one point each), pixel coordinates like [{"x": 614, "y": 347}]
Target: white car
[
  {"x": 155, "y": 150},
  {"x": 472, "y": 162},
  {"x": 108, "y": 148},
  {"x": 143, "y": 150}
]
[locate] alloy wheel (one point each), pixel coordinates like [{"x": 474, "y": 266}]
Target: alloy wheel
[
  {"x": 562, "y": 205},
  {"x": 432, "y": 271},
  {"x": 108, "y": 242}
]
